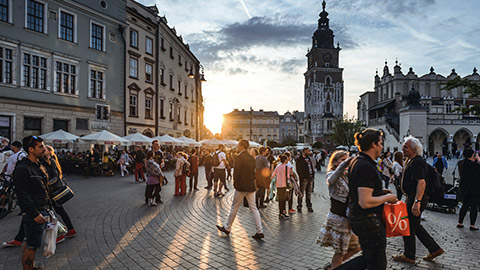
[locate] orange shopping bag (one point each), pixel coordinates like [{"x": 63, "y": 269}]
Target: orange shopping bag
[{"x": 396, "y": 219}]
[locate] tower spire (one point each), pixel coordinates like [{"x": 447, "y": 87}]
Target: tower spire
[{"x": 323, "y": 5}]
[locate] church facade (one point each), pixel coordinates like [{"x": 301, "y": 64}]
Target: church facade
[{"x": 323, "y": 98}]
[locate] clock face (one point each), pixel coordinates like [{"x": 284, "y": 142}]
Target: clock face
[{"x": 327, "y": 56}]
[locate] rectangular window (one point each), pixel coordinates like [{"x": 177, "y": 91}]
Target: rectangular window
[
  {"x": 149, "y": 45},
  {"x": 171, "y": 82},
  {"x": 4, "y": 10},
  {"x": 185, "y": 118},
  {"x": 134, "y": 38},
  {"x": 133, "y": 106},
  {"x": 6, "y": 65},
  {"x": 34, "y": 71},
  {"x": 186, "y": 67},
  {"x": 191, "y": 91},
  {"x": 192, "y": 121},
  {"x": 67, "y": 26},
  {"x": 96, "y": 36},
  {"x": 148, "y": 108},
  {"x": 186, "y": 90},
  {"x": 133, "y": 67},
  {"x": 148, "y": 72},
  {"x": 179, "y": 60},
  {"x": 97, "y": 86},
  {"x": 103, "y": 112},
  {"x": 35, "y": 16},
  {"x": 162, "y": 77},
  {"x": 171, "y": 52},
  {"x": 32, "y": 126},
  {"x": 60, "y": 124},
  {"x": 162, "y": 109},
  {"x": 65, "y": 78},
  {"x": 178, "y": 115},
  {"x": 170, "y": 112},
  {"x": 82, "y": 124},
  {"x": 179, "y": 87},
  {"x": 162, "y": 43}
]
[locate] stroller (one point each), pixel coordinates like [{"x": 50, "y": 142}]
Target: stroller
[{"x": 450, "y": 199}]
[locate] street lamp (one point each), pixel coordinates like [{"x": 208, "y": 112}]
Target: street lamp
[{"x": 202, "y": 77}]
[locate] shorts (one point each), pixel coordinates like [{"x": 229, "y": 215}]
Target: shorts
[
  {"x": 219, "y": 174},
  {"x": 34, "y": 231}
]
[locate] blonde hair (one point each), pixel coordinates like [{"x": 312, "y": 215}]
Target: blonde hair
[
  {"x": 334, "y": 158},
  {"x": 55, "y": 159}
]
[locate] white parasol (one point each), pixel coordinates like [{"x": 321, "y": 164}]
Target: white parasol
[
  {"x": 168, "y": 140},
  {"x": 211, "y": 142},
  {"x": 59, "y": 136},
  {"x": 138, "y": 139},
  {"x": 188, "y": 141},
  {"x": 104, "y": 138}
]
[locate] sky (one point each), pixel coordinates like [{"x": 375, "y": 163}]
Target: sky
[{"x": 254, "y": 51}]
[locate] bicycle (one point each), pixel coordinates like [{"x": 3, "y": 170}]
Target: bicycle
[{"x": 8, "y": 197}]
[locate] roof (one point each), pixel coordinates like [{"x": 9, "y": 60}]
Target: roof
[
  {"x": 254, "y": 113},
  {"x": 381, "y": 105}
]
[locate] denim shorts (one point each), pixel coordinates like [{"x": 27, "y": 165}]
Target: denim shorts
[{"x": 34, "y": 231}]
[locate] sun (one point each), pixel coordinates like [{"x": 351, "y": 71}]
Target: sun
[{"x": 213, "y": 119}]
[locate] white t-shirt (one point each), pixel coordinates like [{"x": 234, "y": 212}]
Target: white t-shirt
[
  {"x": 12, "y": 161},
  {"x": 221, "y": 157}
]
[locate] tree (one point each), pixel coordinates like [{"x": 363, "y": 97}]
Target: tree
[
  {"x": 471, "y": 88},
  {"x": 289, "y": 141},
  {"x": 344, "y": 130},
  {"x": 317, "y": 145},
  {"x": 272, "y": 143}
]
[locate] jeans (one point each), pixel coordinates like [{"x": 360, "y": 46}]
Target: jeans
[
  {"x": 471, "y": 202},
  {"x": 153, "y": 191},
  {"x": 416, "y": 229},
  {"x": 33, "y": 231},
  {"x": 237, "y": 201},
  {"x": 371, "y": 235},
  {"x": 306, "y": 186}
]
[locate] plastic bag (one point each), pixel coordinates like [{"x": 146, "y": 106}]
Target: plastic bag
[
  {"x": 61, "y": 229},
  {"x": 396, "y": 219},
  {"x": 50, "y": 236}
]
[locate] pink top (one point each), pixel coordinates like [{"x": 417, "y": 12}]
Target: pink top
[{"x": 279, "y": 172}]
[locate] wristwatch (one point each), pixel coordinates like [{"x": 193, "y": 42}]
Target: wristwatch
[{"x": 418, "y": 201}]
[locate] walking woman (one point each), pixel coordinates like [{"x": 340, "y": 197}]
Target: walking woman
[
  {"x": 294, "y": 178},
  {"x": 469, "y": 188},
  {"x": 387, "y": 169},
  {"x": 181, "y": 174},
  {"x": 154, "y": 180},
  {"x": 282, "y": 173},
  {"x": 397, "y": 173},
  {"x": 336, "y": 230},
  {"x": 54, "y": 170}
]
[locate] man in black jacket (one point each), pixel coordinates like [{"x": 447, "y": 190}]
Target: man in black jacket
[
  {"x": 305, "y": 170},
  {"x": 30, "y": 186},
  {"x": 244, "y": 184}
]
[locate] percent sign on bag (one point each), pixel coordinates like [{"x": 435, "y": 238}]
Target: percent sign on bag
[{"x": 396, "y": 219}]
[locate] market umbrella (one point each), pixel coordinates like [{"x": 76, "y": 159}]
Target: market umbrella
[
  {"x": 104, "y": 138},
  {"x": 188, "y": 141},
  {"x": 254, "y": 144},
  {"x": 210, "y": 142},
  {"x": 59, "y": 136},
  {"x": 168, "y": 140},
  {"x": 229, "y": 143},
  {"x": 138, "y": 139}
]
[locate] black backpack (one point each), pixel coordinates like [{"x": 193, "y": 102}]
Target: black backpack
[
  {"x": 435, "y": 184},
  {"x": 216, "y": 159}
]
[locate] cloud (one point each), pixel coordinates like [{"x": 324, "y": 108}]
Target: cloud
[
  {"x": 273, "y": 32},
  {"x": 393, "y": 8},
  {"x": 236, "y": 71}
]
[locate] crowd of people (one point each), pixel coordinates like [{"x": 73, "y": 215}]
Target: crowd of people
[{"x": 358, "y": 186}]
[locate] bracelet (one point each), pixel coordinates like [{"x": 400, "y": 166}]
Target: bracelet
[{"x": 418, "y": 201}]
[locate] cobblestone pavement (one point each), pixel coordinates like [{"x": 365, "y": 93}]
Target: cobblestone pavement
[{"x": 116, "y": 230}]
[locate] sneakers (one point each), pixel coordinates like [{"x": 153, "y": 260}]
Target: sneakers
[
  {"x": 60, "y": 239},
  {"x": 291, "y": 211},
  {"x": 310, "y": 210},
  {"x": 403, "y": 258},
  {"x": 299, "y": 210},
  {"x": 283, "y": 216},
  {"x": 433, "y": 255},
  {"x": 222, "y": 229},
  {"x": 258, "y": 236},
  {"x": 71, "y": 233},
  {"x": 13, "y": 243}
]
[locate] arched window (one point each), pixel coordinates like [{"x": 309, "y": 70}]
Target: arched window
[
  {"x": 328, "y": 80},
  {"x": 327, "y": 107}
]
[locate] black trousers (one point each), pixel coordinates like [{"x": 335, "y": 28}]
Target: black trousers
[
  {"x": 282, "y": 200},
  {"x": 209, "y": 176},
  {"x": 370, "y": 230},
  {"x": 416, "y": 229},
  {"x": 193, "y": 176},
  {"x": 153, "y": 191},
  {"x": 306, "y": 187},
  {"x": 469, "y": 202},
  {"x": 260, "y": 197}
]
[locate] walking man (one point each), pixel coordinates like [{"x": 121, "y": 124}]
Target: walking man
[
  {"x": 193, "y": 159},
  {"x": 30, "y": 185},
  {"x": 262, "y": 175},
  {"x": 305, "y": 170},
  {"x": 413, "y": 184},
  {"x": 219, "y": 171},
  {"x": 139, "y": 160},
  {"x": 244, "y": 184},
  {"x": 440, "y": 163}
]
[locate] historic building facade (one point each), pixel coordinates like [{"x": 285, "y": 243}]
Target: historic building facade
[
  {"x": 323, "y": 83},
  {"x": 288, "y": 127},
  {"x": 251, "y": 125},
  {"x": 59, "y": 64},
  {"x": 408, "y": 104}
]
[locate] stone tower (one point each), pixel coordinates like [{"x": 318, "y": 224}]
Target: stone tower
[{"x": 323, "y": 83}]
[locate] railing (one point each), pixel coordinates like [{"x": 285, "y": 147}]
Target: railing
[
  {"x": 376, "y": 121},
  {"x": 453, "y": 122},
  {"x": 393, "y": 131}
]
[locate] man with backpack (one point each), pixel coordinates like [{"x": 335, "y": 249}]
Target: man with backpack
[
  {"x": 414, "y": 185},
  {"x": 219, "y": 163},
  {"x": 440, "y": 163}
]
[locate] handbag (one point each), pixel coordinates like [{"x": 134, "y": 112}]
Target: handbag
[
  {"x": 396, "y": 220},
  {"x": 61, "y": 195}
]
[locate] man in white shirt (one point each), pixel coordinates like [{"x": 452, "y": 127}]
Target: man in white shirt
[
  {"x": 19, "y": 154},
  {"x": 219, "y": 173}
]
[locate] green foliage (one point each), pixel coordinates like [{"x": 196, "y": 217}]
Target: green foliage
[
  {"x": 317, "y": 145},
  {"x": 472, "y": 88},
  {"x": 289, "y": 141},
  {"x": 272, "y": 143},
  {"x": 344, "y": 130}
]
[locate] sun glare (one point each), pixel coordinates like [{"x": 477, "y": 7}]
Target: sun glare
[{"x": 213, "y": 119}]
